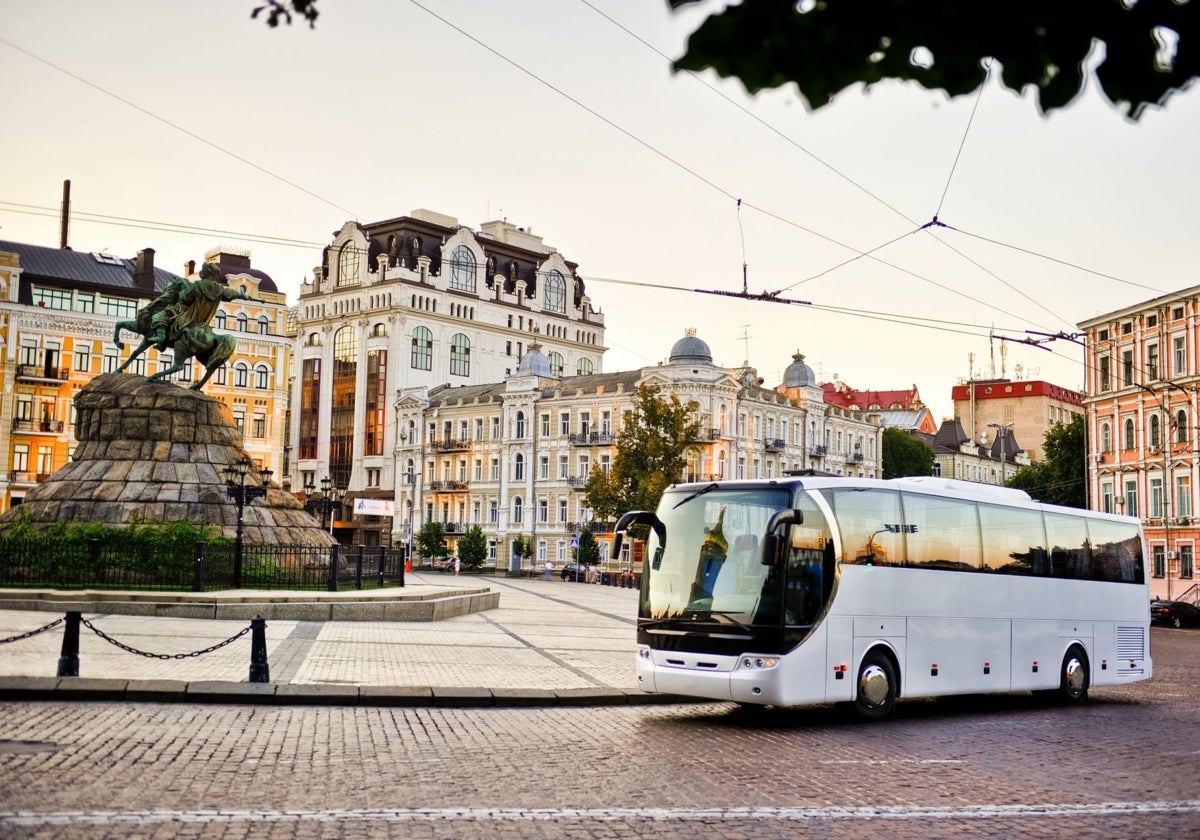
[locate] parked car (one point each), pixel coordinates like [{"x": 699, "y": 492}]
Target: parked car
[
  {"x": 444, "y": 564},
  {"x": 1174, "y": 613},
  {"x": 577, "y": 572}
]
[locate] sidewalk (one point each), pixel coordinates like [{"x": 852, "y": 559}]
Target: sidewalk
[{"x": 547, "y": 643}]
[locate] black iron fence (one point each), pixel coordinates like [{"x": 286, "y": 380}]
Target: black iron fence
[{"x": 62, "y": 564}]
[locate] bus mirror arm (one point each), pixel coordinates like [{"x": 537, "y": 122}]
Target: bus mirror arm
[
  {"x": 775, "y": 525},
  {"x": 637, "y": 517}
]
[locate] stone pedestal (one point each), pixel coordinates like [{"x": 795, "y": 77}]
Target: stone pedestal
[{"x": 157, "y": 452}]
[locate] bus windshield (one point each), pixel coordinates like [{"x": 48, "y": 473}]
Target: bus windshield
[{"x": 708, "y": 565}]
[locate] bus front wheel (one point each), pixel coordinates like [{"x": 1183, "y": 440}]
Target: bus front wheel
[
  {"x": 1073, "y": 679},
  {"x": 876, "y": 687}
]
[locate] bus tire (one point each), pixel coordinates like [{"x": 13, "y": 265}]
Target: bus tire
[
  {"x": 1073, "y": 677},
  {"x": 876, "y": 687}
]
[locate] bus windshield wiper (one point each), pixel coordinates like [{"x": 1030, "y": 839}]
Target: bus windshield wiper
[
  {"x": 728, "y": 616},
  {"x": 699, "y": 492}
]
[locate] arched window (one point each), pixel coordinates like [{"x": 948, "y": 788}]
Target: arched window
[
  {"x": 219, "y": 378},
  {"x": 460, "y": 355},
  {"x": 520, "y": 430},
  {"x": 379, "y": 330},
  {"x": 584, "y": 368},
  {"x": 242, "y": 322},
  {"x": 348, "y": 264},
  {"x": 556, "y": 363},
  {"x": 519, "y": 467},
  {"x": 1105, "y": 437},
  {"x": 555, "y": 296},
  {"x": 264, "y": 325},
  {"x": 314, "y": 339},
  {"x": 262, "y": 376},
  {"x": 517, "y": 509},
  {"x": 241, "y": 375},
  {"x": 462, "y": 269},
  {"x": 1129, "y": 433},
  {"x": 219, "y": 321},
  {"x": 1181, "y": 429},
  {"x": 422, "y": 348},
  {"x": 1155, "y": 432}
]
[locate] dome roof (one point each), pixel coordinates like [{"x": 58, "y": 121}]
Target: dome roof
[
  {"x": 798, "y": 374},
  {"x": 535, "y": 363},
  {"x": 690, "y": 350}
]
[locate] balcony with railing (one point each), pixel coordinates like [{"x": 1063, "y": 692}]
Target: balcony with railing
[
  {"x": 594, "y": 527},
  {"x": 43, "y": 373},
  {"x": 691, "y": 478},
  {"x": 36, "y": 427},
  {"x": 579, "y": 481},
  {"x": 447, "y": 486},
  {"x": 451, "y": 444},
  {"x": 818, "y": 451},
  {"x": 856, "y": 458},
  {"x": 26, "y": 477},
  {"x": 707, "y": 435},
  {"x": 774, "y": 444},
  {"x": 590, "y": 439}
]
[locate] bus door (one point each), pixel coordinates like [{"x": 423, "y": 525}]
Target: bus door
[{"x": 809, "y": 569}]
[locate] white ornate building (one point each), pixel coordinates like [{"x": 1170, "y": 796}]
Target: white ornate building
[{"x": 513, "y": 456}]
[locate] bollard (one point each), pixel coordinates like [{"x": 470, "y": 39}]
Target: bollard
[
  {"x": 260, "y": 671},
  {"x": 333, "y": 568},
  {"x": 198, "y": 572},
  {"x": 68, "y": 660}
]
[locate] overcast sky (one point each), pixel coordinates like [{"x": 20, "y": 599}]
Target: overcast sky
[{"x": 563, "y": 116}]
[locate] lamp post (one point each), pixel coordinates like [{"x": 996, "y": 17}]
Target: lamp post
[
  {"x": 327, "y": 501},
  {"x": 1002, "y": 433},
  {"x": 242, "y": 494},
  {"x": 411, "y": 477}
]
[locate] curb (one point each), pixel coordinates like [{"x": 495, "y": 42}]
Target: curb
[{"x": 88, "y": 689}]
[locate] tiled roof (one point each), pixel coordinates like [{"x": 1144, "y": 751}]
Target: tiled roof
[{"x": 59, "y": 266}]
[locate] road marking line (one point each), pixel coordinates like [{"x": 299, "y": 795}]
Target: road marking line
[{"x": 338, "y": 815}]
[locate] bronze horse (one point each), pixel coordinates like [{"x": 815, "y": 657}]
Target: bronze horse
[{"x": 178, "y": 319}]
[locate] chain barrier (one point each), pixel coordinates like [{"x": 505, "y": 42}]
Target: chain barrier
[
  {"x": 149, "y": 655},
  {"x": 49, "y": 626}
]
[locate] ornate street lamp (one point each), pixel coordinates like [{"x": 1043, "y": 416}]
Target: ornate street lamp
[
  {"x": 328, "y": 500},
  {"x": 236, "y": 487}
]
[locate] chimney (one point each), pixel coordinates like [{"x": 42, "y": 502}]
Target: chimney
[
  {"x": 189, "y": 268},
  {"x": 143, "y": 272}
]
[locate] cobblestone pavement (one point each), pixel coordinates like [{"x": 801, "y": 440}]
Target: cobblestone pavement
[
  {"x": 544, "y": 635},
  {"x": 1121, "y": 766}
]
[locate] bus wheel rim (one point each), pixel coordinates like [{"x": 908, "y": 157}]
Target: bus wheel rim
[
  {"x": 873, "y": 685},
  {"x": 1074, "y": 676}
]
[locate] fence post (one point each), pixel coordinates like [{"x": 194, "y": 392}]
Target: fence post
[
  {"x": 402, "y": 565},
  {"x": 358, "y": 567},
  {"x": 198, "y": 577},
  {"x": 381, "y": 566},
  {"x": 333, "y": 569},
  {"x": 260, "y": 671},
  {"x": 93, "y": 566},
  {"x": 68, "y": 660}
]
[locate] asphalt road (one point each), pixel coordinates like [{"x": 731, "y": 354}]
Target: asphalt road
[{"x": 1122, "y": 766}]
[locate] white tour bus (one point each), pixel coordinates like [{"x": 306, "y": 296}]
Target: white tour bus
[{"x": 827, "y": 589}]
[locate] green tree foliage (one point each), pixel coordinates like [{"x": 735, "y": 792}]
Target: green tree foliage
[
  {"x": 472, "y": 548},
  {"x": 281, "y": 11},
  {"x": 904, "y": 454},
  {"x": 431, "y": 540},
  {"x": 825, "y": 46},
  {"x": 522, "y": 548},
  {"x": 1061, "y": 477},
  {"x": 588, "y": 551},
  {"x": 651, "y": 453}
]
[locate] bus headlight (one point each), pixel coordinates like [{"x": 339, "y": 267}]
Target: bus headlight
[
  {"x": 758, "y": 663},
  {"x": 643, "y": 653}
]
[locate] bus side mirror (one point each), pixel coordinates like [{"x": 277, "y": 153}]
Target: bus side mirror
[
  {"x": 657, "y": 560},
  {"x": 772, "y": 543}
]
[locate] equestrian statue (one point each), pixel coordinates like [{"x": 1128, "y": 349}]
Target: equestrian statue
[{"x": 178, "y": 320}]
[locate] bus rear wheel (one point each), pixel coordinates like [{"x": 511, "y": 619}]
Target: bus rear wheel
[
  {"x": 1073, "y": 679},
  {"x": 876, "y": 687}
]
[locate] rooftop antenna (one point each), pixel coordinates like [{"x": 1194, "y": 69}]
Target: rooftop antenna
[{"x": 745, "y": 336}]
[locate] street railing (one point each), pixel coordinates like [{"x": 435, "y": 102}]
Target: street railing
[{"x": 203, "y": 567}]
